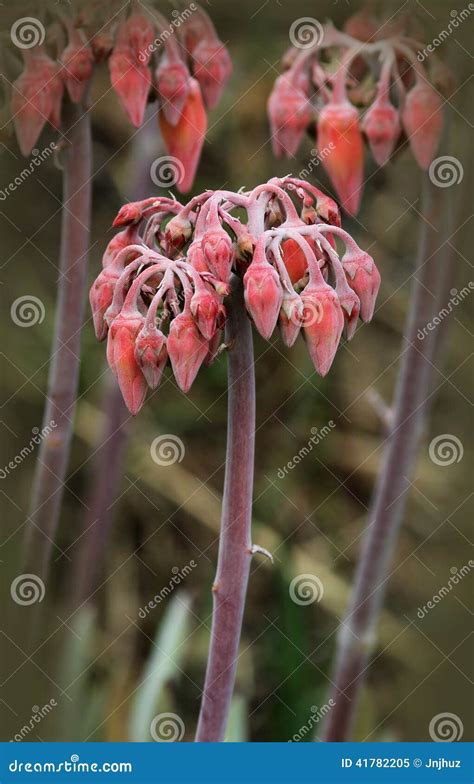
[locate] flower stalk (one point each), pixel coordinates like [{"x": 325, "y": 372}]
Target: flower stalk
[
  {"x": 235, "y": 547},
  {"x": 48, "y": 483},
  {"x": 414, "y": 389}
]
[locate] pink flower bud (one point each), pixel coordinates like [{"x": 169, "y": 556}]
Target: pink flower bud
[
  {"x": 121, "y": 357},
  {"x": 208, "y": 311},
  {"x": 381, "y": 125},
  {"x": 140, "y": 32},
  {"x": 212, "y": 68},
  {"x": 36, "y": 97},
  {"x": 195, "y": 257},
  {"x": 218, "y": 253},
  {"x": 151, "y": 354},
  {"x": 172, "y": 81},
  {"x": 100, "y": 298},
  {"x": 323, "y": 323},
  {"x": 178, "y": 231},
  {"x": 263, "y": 293},
  {"x": 131, "y": 81},
  {"x": 422, "y": 119},
  {"x": 133, "y": 212},
  {"x": 187, "y": 349},
  {"x": 78, "y": 62},
  {"x": 339, "y": 132},
  {"x": 291, "y": 317},
  {"x": 364, "y": 278},
  {"x": 289, "y": 113},
  {"x": 184, "y": 140}
]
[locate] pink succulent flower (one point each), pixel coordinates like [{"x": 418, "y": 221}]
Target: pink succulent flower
[
  {"x": 78, "y": 64},
  {"x": 212, "y": 68},
  {"x": 422, "y": 119},
  {"x": 187, "y": 349},
  {"x": 373, "y": 71},
  {"x": 137, "y": 43},
  {"x": 163, "y": 295}
]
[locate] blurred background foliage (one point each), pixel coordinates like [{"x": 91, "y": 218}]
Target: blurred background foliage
[{"x": 93, "y": 663}]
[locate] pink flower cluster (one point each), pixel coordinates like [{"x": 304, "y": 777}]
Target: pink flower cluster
[
  {"x": 166, "y": 274},
  {"x": 183, "y": 65},
  {"x": 370, "y": 69}
]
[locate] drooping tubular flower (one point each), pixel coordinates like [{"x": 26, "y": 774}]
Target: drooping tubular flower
[
  {"x": 182, "y": 65},
  {"x": 161, "y": 294},
  {"x": 366, "y": 83}
]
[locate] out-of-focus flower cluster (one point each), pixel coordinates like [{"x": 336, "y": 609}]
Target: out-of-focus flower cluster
[
  {"x": 182, "y": 64},
  {"x": 366, "y": 82},
  {"x": 166, "y": 274}
]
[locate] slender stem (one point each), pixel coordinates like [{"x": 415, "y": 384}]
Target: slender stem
[
  {"x": 393, "y": 483},
  {"x": 109, "y": 455},
  {"x": 106, "y": 478},
  {"x": 230, "y": 586},
  {"x": 53, "y": 457}
]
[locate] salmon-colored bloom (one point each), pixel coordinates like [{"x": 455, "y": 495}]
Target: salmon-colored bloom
[
  {"x": 151, "y": 354},
  {"x": 382, "y": 127},
  {"x": 122, "y": 360},
  {"x": 422, "y": 119},
  {"x": 340, "y": 146},
  {"x": 212, "y": 68},
  {"x": 131, "y": 81},
  {"x": 290, "y": 113},
  {"x": 263, "y": 293},
  {"x": 184, "y": 140},
  {"x": 78, "y": 63},
  {"x": 323, "y": 323},
  {"x": 35, "y": 98},
  {"x": 187, "y": 349}
]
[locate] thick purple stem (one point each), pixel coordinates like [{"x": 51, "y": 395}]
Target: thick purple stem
[
  {"x": 230, "y": 586},
  {"x": 53, "y": 457},
  {"x": 414, "y": 389}
]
